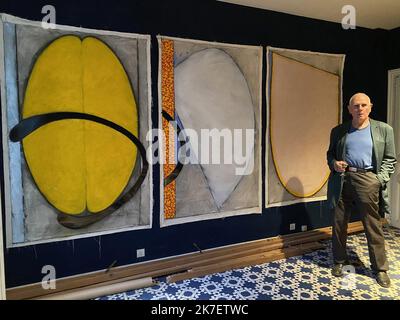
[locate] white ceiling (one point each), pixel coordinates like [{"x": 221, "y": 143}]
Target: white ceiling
[{"x": 373, "y": 14}]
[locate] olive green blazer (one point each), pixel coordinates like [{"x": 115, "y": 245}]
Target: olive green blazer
[{"x": 383, "y": 157}]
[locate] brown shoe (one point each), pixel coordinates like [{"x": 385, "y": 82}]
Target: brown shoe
[
  {"x": 337, "y": 270},
  {"x": 383, "y": 279}
]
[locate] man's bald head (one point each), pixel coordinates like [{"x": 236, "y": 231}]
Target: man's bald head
[{"x": 360, "y": 95}]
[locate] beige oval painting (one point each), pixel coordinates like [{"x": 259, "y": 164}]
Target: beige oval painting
[{"x": 304, "y": 109}]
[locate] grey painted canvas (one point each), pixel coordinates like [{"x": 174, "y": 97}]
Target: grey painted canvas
[
  {"x": 30, "y": 217},
  {"x": 217, "y": 87}
]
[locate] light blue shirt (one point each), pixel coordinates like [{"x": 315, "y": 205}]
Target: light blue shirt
[{"x": 359, "y": 148}]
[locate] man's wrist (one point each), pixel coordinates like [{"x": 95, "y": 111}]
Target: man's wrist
[
  {"x": 380, "y": 179},
  {"x": 333, "y": 165}
]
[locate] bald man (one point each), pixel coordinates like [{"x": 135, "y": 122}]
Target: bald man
[{"x": 362, "y": 158}]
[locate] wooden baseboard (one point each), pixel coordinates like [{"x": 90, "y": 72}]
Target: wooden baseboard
[{"x": 191, "y": 265}]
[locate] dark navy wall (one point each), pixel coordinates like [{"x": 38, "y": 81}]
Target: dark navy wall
[
  {"x": 393, "y": 49},
  {"x": 368, "y": 55}
]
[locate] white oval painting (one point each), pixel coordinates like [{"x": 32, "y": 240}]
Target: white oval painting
[{"x": 212, "y": 93}]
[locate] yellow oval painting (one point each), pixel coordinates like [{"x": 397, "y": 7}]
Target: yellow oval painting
[
  {"x": 80, "y": 165},
  {"x": 304, "y": 109}
]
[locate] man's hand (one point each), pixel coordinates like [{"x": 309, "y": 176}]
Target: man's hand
[{"x": 340, "y": 166}]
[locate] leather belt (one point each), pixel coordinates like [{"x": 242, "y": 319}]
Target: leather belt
[{"x": 354, "y": 169}]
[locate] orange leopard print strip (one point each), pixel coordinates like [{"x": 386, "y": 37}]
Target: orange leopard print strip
[{"x": 168, "y": 105}]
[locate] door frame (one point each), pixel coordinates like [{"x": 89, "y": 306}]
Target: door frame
[
  {"x": 2, "y": 272},
  {"x": 392, "y": 114}
]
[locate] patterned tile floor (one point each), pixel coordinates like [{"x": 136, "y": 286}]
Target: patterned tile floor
[{"x": 306, "y": 277}]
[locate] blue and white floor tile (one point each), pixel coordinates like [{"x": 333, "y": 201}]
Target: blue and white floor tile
[{"x": 306, "y": 277}]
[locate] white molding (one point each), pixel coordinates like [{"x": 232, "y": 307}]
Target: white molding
[
  {"x": 2, "y": 272},
  {"x": 392, "y": 75},
  {"x": 393, "y": 119}
]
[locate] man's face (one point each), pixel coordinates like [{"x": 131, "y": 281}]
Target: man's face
[{"x": 360, "y": 108}]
